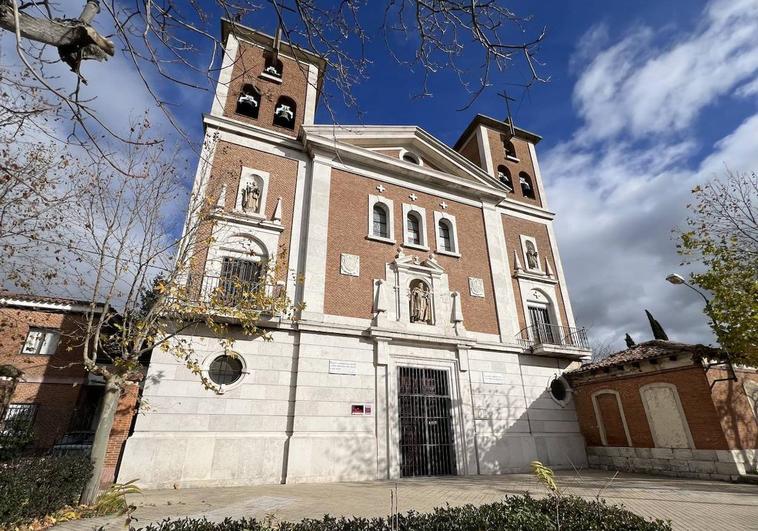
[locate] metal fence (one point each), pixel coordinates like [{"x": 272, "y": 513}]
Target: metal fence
[{"x": 547, "y": 334}]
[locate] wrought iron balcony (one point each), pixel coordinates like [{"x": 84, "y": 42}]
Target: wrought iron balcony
[
  {"x": 232, "y": 292},
  {"x": 536, "y": 336}
]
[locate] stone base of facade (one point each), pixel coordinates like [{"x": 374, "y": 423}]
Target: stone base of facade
[{"x": 722, "y": 465}]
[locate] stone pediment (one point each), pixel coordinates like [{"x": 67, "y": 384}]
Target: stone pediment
[
  {"x": 414, "y": 263},
  {"x": 388, "y": 145}
]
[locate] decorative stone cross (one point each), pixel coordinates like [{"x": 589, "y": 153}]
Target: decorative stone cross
[
  {"x": 381, "y": 188},
  {"x": 443, "y": 205},
  {"x": 413, "y": 197}
]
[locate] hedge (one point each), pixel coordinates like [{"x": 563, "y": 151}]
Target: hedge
[
  {"x": 522, "y": 513},
  {"x": 31, "y": 487}
]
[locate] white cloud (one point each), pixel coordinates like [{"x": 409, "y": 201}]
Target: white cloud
[
  {"x": 620, "y": 184},
  {"x": 640, "y": 86}
]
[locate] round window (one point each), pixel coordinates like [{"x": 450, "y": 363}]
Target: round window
[
  {"x": 559, "y": 390},
  {"x": 225, "y": 370}
]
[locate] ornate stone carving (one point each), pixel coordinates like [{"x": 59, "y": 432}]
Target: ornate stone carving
[
  {"x": 476, "y": 287},
  {"x": 350, "y": 264}
]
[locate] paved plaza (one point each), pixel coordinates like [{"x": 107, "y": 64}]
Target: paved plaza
[{"x": 692, "y": 505}]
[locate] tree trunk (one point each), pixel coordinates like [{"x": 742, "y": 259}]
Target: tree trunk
[{"x": 100, "y": 442}]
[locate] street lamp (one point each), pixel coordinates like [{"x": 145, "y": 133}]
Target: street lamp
[{"x": 677, "y": 280}]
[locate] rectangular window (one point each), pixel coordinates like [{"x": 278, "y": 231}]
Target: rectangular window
[
  {"x": 41, "y": 341},
  {"x": 238, "y": 276}
]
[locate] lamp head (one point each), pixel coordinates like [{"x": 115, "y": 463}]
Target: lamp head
[{"x": 673, "y": 278}]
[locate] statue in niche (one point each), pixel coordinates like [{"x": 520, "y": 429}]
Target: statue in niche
[
  {"x": 420, "y": 307},
  {"x": 251, "y": 196},
  {"x": 532, "y": 258}
]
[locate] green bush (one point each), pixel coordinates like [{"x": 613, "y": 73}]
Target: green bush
[
  {"x": 31, "y": 487},
  {"x": 522, "y": 513}
]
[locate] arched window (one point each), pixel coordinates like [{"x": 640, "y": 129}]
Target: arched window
[
  {"x": 510, "y": 151},
  {"x": 414, "y": 229},
  {"x": 381, "y": 228},
  {"x": 446, "y": 235},
  {"x": 273, "y": 67},
  {"x": 505, "y": 177},
  {"x": 526, "y": 185},
  {"x": 542, "y": 326},
  {"x": 284, "y": 112},
  {"x": 248, "y": 102},
  {"x": 420, "y": 301}
]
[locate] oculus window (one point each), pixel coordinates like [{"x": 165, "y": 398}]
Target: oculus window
[{"x": 225, "y": 370}]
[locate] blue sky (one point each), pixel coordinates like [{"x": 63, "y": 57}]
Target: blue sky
[{"x": 645, "y": 100}]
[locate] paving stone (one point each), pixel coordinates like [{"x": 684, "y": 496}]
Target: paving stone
[{"x": 691, "y": 504}]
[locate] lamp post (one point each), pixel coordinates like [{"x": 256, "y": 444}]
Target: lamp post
[{"x": 677, "y": 280}]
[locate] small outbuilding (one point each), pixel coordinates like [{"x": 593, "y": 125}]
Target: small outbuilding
[{"x": 669, "y": 408}]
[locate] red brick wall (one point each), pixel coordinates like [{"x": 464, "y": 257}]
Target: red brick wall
[
  {"x": 470, "y": 150},
  {"x": 515, "y": 227},
  {"x": 615, "y": 435},
  {"x": 348, "y": 215},
  {"x": 737, "y": 415},
  {"x": 694, "y": 394},
  {"x": 247, "y": 68},
  {"x": 52, "y": 382},
  {"x": 525, "y": 164},
  {"x": 228, "y": 162},
  {"x": 127, "y": 408}
]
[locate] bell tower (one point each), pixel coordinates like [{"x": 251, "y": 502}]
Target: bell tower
[{"x": 265, "y": 82}]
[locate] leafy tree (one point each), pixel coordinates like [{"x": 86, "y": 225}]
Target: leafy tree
[
  {"x": 145, "y": 282},
  {"x": 723, "y": 235}
]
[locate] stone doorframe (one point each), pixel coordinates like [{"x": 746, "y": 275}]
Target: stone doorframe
[{"x": 455, "y": 364}]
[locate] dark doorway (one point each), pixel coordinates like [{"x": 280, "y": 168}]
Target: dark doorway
[{"x": 426, "y": 425}]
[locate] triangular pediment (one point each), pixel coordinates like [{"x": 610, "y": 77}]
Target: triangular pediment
[
  {"x": 399, "y": 145},
  {"x": 410, "y": 261}
]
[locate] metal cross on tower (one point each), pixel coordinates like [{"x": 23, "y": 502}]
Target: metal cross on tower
[{"x": 509, "y": 118}]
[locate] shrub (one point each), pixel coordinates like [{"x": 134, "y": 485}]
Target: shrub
[
  {"x": 522, "y": 513},
  {"x": 31, "y": 487}
]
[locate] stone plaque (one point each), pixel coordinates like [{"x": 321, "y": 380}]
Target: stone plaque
[
  {"x": 342, "y": 367},
  {"x": 476, "y": 287},
  {"x": 350, "y": 264},
  {"x": 494, "y": 378}
]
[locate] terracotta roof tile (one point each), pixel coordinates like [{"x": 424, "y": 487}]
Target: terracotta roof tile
[{"x": 649, "y": 350}]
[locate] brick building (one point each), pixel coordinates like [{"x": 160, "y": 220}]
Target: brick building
[
  {"x": 436, "y": 312},
  {"x": 55, "y": 401},
  {"x": 669, "y": 408}
]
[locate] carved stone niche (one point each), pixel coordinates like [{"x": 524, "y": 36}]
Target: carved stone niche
[{"x": 418, "y": 293}]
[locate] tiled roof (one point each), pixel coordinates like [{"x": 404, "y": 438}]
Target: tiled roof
[
  {"x": 8, "y": 298},
  {"x": 649, "y": 350}
]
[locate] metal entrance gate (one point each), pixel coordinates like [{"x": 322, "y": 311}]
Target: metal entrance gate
[{"x": 426, "y": 427}]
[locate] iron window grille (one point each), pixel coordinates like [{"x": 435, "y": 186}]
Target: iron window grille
[
  {"x": 17, "y": 424},
  {"x": 238, "y": 278}
]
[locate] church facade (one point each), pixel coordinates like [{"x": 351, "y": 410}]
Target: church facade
[{"x": 436, "y": 321}]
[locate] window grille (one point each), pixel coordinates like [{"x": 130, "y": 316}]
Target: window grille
[
  {"x": 238, "y": 278},
  {"x": 18, "y": 423}
]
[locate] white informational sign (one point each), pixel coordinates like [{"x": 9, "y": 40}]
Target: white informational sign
[
  {"x": 493, "y": 378},
  {"x": 342, "y": 367}
]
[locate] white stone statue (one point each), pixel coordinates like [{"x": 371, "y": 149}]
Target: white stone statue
[
  {"x": 532, "y": 258},
  {"x": 251, "y": 195},
  {"x": 420, "y": 307}
]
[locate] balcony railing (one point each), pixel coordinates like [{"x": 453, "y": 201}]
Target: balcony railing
[
  {"x": 561, "y": 336},
  {"x": 231, "y": 292}
]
